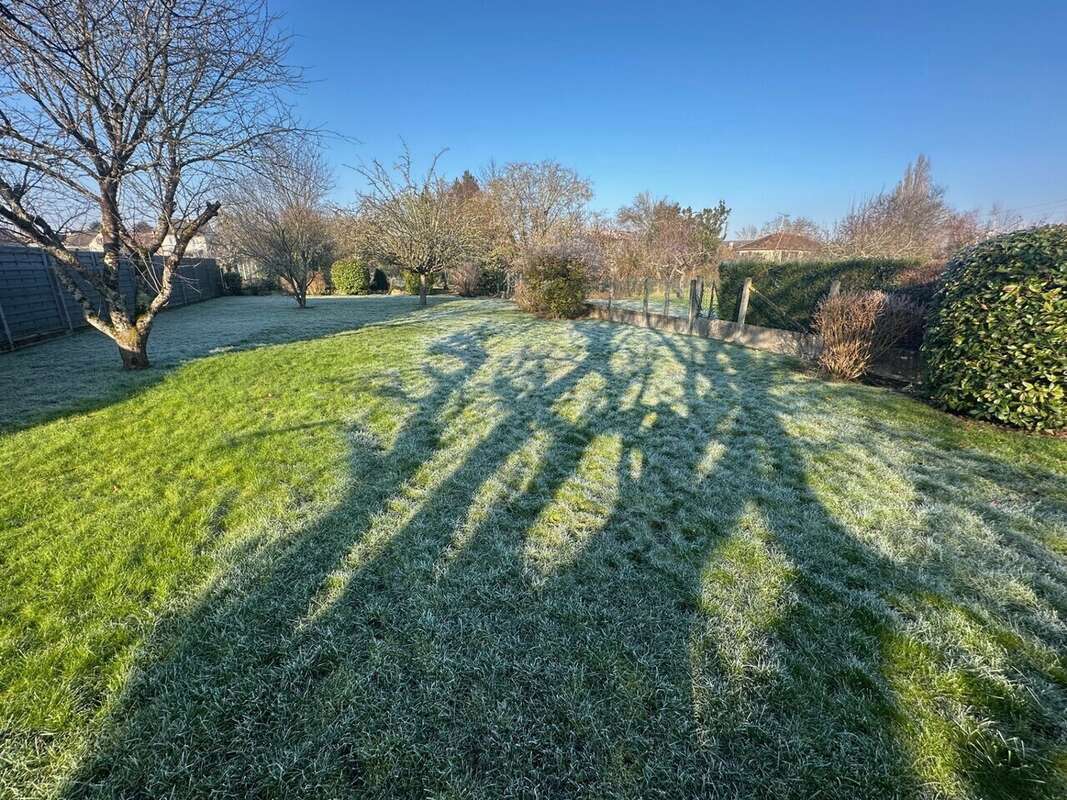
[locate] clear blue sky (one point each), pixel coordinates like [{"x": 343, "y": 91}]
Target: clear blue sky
[{"x": 797, "y": 107}]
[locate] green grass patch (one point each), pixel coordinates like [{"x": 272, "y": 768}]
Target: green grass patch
[{"x": 370, "y": 551}]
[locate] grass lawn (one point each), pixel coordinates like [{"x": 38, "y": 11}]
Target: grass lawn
[{"x": 367, "y": 551}]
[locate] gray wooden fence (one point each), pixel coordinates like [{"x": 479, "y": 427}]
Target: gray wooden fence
[{"x": 34, "y": 305}]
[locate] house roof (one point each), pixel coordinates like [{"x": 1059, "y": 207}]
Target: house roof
[
  {"x": 79, "y": 238},
  {"x": 783, "y": 241}
]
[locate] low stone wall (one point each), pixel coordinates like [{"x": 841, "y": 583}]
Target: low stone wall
[
  {"x": 901, "y": 365},
  {"x": 802, "y": 345}
]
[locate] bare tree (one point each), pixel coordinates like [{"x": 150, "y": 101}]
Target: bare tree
[
  {"x": 669, "y": 242},
  {"x": 132, "y": 110},
  {"x": 416, "y": 221},
  {"x": 539, "y": 205},
  {"x": 907, "y": 222},
  {"x": 279, "y": 221}
]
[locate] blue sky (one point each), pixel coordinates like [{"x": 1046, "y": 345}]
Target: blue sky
[{"x": 775, "y": 107}]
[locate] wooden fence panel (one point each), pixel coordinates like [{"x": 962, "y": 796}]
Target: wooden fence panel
[{"x": 34, "y": 305}]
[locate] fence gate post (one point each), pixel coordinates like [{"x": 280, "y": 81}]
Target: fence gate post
[
  {"x": 646, "y": 303},
  {"x": 693, "y": 307},
  {"x": 742, "y": 311}
]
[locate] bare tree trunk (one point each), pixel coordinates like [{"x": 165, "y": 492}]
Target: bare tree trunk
[
  {"x": 133, "y": 348},
  {"x": 424, "y": 287}
]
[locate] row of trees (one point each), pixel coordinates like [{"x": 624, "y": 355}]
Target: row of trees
[
  {"x": 418, "y": 222},
  {"x": 913, "y": 221}
]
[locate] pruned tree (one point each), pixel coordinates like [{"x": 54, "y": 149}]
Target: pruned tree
[
  {"x": 538, "y": 205},
  {"x": 415, "y": 221},
  {"x": 666, "y": 240},
  {"x": 132, "y": 110},
  {"x": 279, "y": 220}
]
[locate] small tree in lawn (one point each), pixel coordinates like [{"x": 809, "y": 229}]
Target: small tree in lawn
[
  {"x": 416, "y": 221},
  {"x": 279, "y": 220},
  {"x": 131, "y": 111}
]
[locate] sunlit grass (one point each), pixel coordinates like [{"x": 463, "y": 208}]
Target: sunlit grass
[{"x": 462, "y": 552}]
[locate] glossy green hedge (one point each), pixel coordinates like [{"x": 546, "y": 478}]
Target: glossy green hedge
[
  {"x": 996, "y": 346},
  {"x": 349, "y": 277}
]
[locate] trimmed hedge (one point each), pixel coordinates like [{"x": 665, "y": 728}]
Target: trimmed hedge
[
  {"x": 553, "y": 286},
  {"x": 349, "y": 276},
  {"x": 411, "y": 282},
  {"x": 379, "y": 281},
  {"x": 996, "y": 345},
  {"x": 796, "y": 287}
]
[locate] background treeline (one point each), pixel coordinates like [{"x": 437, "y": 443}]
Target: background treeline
[{"x": 478, "y": 234}]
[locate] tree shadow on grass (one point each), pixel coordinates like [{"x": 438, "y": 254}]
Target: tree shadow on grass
[
  {"x": 82, "y": 372},
  {"x": 602, "y": 575}
]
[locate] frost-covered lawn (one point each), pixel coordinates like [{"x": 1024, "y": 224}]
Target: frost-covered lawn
[{"x": 465, "y": 553}]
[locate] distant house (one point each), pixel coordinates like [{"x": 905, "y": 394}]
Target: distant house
[
  {"x": 199, "y": 246},
  {"x": 778, "y": 247}
]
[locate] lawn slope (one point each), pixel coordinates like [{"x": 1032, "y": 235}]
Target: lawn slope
[{"x": 465, "y": 553}]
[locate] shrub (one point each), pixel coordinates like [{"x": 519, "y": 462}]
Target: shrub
[
  {"x": 349, "y": 277},
  {"x": 231, "y": 282},
  {"x": 258, "y": 286},
  {"x": 318, "y": 286},
  {"x": 996, "y": 346},
  {"x": 492, "y": 282},
  {"x": 463, "y": 279},
  {"x": 411, "y": 282},
  {"x": 859, "y": 327},
  {"x": 796, "y": 287},
  {"x": 379, "y": 282},
  {"x": 477, "y": 280},
  {"x": 553, "y": 285}
]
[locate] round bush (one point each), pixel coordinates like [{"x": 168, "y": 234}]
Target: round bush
[
  {"x": 553, "y": 285},
  {"x": 996, "y": 345},
  {"x": 231, "y": 281},
  {"x": 349, "y": 277}
]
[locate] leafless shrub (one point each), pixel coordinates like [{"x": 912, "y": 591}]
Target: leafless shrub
[
  {"x": 464, "y": 278},
  {"x": 859, "y": 327}
]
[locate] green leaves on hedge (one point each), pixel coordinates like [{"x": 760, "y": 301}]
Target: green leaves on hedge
[
  {"x": 996, "y": 346},
  {"x": 349, "y": 276},
  {"x": 553, "y": 286}
]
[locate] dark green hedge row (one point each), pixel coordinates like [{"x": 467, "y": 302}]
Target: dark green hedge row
[{"x": 795, "y": 288}]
